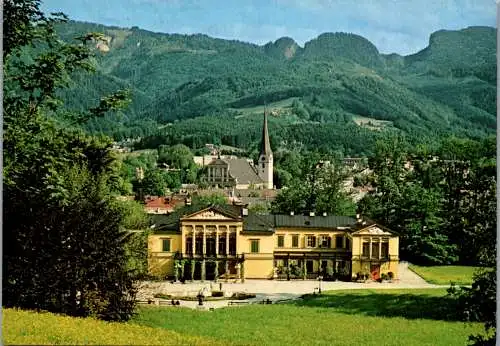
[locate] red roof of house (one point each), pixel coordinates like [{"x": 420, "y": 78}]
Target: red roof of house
[{"x": 168, "y": 203}]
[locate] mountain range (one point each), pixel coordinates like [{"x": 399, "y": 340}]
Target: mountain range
[{"x": 195, "y": 88}]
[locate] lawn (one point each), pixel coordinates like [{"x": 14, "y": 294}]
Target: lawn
[
  {"x": 444, "y": 275},
  {"x": 32, "y": 328},
  {"x": 347, "y": 317}
]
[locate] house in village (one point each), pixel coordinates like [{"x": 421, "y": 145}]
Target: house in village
[
  {"x": 231, "y": 241},
  {"x": 165, "y": 205}
]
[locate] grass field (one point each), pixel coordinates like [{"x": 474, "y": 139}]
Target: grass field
[
  {"x": 347, "y": 317},
  {"x": 31, "y": 328},
  {"x": 443, "y": 275},
  {"x": 371, "y": 123},
  {"x": 279, "y": 105}
]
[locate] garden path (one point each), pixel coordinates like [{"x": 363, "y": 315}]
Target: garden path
[{"x": 275, "y": 290}]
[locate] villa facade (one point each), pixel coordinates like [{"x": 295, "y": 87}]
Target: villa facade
[{"x": 231, "y": 242}]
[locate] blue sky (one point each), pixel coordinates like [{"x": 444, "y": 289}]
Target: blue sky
[{"x": 394, "y": 26}]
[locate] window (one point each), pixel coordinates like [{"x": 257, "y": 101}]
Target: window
[
  {"x": 281, "y": 241},
  {"x": 375, "y": 248},
  {"x": 232, "y": 245},
  {"x": 325, "y": 241},
  {"x": 347, "y": 243},
  {"x": 309, "y": 266},
  {"x": 366, "y": 248},
  {"x": 210, "y": 247},
  {"x": 339, "y": 241},
  {"x": 385, "y": 250},
  {"x": 199, "y": 245},
  {"x": 166, "y": 245},
  {"x": 222, "y": 246},
  {"x": 295, "y": 240},
  {"x": 189, "y": 245},
  {"x": 254, "y": 245},
  {"x": 311, "y": 241}
]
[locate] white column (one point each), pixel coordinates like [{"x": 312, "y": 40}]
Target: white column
[
  {"x": 194, "y": 240},
  {"x": 204, "y": 240},
  {"x": 370, "y": 247},
  {"x": 227, "y": 242},
  {"x": 379, "y": 248},
  {"x": 217, "y": 241}
]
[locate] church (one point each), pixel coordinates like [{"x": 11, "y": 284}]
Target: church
[{"x": 241, "y": 173}]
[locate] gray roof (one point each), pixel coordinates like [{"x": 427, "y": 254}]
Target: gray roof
[
  {"x": 318, "y": 221},
  {"x": 256, "y": 222},
  {"x": 216, "y": 162},
  {"x": 243, "y": 171}
]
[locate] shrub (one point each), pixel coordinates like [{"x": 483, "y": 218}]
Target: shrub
[
  {"x": 242, "y": 295},
  {"x": 296, "y": 271},
  {"x": 330, "y": 272},
  {"x": 390, "y": 275}
]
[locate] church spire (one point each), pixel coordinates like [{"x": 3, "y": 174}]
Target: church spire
[
  {"x": 265, "y": 165},
  {"x": 265, "y": 146}
]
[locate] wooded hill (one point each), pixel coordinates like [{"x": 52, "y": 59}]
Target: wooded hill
[{"x": 335, "y": 93}]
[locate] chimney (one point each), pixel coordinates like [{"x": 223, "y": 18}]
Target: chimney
[
  {"x": 292, "y": 213},
  {"x": 324, "y": 214},
  {"x": 244, "y": 211},
  {"x": 311, "y": 213}
]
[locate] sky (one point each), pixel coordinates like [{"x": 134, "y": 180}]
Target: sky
[{"x": 393, "y": 26}]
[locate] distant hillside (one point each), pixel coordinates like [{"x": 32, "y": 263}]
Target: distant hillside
[{"x": 447, "y": 88}]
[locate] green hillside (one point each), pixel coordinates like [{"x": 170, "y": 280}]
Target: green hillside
[{"x": 336, "y": 78}]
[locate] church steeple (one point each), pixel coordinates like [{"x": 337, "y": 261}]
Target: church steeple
[
  {"x": 265, "y": 145},
  {"x": 265, "y": 164}
]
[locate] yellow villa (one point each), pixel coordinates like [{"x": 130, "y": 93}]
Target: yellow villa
[{"x": 231, "y": 242}]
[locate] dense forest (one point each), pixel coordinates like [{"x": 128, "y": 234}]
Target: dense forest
[{"x": 337, "y": 93}]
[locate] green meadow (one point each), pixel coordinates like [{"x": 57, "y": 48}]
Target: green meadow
[
  {"x": 444, "y": 275},
  {"x": 347, "y": 317}
]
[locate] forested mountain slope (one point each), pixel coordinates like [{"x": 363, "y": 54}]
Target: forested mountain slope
[{"x": 337, "y": 81}]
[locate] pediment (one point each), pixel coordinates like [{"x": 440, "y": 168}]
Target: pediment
[
  {"x": 373, "y": 230},
  {"x": 208, "y": 214}
]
